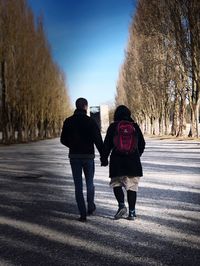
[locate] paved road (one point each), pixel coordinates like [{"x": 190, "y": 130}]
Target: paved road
[{"x": 38, "y": 212}]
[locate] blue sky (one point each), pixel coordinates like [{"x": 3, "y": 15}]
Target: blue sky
[{"x": 88, "y": 39}]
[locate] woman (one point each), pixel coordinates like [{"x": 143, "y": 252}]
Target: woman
[{"x": 125, "y": 168}]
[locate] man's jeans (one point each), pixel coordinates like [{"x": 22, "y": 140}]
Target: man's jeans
[{"x": 87, "y": 166}]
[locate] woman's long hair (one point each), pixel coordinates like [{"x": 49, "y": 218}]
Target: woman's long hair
[{"x": 122, "y": 113}]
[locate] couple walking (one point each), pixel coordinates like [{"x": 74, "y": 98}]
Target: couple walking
[{"x": 80, "y": 133}]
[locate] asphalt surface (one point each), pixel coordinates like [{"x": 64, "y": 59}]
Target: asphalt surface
[{"x": 38, "y": 213}]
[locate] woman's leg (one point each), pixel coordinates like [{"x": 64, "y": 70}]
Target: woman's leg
[
  {"x": 131, "y": 184},
  {"x": 131, "y": 196},
  {"x": 119, "y": 195}
]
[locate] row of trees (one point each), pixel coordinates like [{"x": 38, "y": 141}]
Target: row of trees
[
  {"x": 33, "y": 94},
  {"x": 160, "y": 77}
]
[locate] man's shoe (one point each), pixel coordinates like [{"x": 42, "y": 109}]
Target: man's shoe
[
  {"x": 82, "y": 219},
  {"x": 91, "y": 211},
  {"x": 121, "y": 211},
  {"x": 131, "y": 215}
]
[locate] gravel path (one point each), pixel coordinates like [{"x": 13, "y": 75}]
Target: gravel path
[{"x": 38, "y": 212}]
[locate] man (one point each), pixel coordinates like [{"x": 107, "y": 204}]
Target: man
[{"x": 80, "y": 132}]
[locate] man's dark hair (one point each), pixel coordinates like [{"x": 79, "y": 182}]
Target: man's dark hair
[{"x": 81, "y": 103}]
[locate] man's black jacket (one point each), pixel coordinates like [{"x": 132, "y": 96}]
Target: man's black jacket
[{"x": 80, "y": 132}]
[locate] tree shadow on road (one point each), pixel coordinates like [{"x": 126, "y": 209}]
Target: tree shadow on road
[
  {"x": 38, "y": 215},
  {"x": 38, "y": 226}
]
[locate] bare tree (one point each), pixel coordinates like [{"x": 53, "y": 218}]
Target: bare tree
[
  {"x": 160, "y": 73},
  {"x": 34, "y": 98}
]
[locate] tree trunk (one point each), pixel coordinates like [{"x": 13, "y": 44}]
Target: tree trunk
[
  {"x": 182, "y": 121},
  {"x": 192, "y": 123},
  {"x": 197, "y": 119},
  {"x": 174, "y": 128},
  {"x": 6, "y": 123}
]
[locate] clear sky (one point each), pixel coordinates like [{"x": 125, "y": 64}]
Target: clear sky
[{"x": 88, "y": 40}]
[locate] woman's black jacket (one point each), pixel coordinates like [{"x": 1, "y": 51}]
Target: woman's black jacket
[{"x": 122, "y": 164}]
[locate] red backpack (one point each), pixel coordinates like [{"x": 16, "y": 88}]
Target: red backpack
[{"x": 125, "y": 140}]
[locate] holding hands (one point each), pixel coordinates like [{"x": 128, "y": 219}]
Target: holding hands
[{"x": 104, "y": 161}]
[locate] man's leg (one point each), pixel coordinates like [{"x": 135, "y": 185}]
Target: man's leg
[
  {"x": 89, "y": 168},
  {"x": 76, "y": 166}
]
